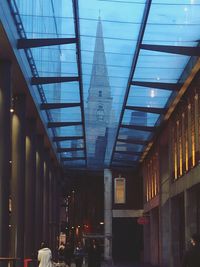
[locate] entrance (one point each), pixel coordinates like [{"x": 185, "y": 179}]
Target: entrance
[{"x": 127, "y": 240}]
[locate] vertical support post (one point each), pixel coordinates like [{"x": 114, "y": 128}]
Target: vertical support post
[
  {"x": 5, "y": 154},
  {"x": 18, "y": 177},
  {"x": 46, "y": 198},
  {"x": 39, "y": 191},
  {"x": 30, "y": 184},
  {"x": 108, "y": 215}
]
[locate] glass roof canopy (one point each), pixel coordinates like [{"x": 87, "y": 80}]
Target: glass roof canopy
[{"x": 106, "y": 82}]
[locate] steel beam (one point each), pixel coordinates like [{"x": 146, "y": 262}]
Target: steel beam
[
  {"x": 66, "y": 138},
  {"x": 79, "y": 62},
  {"x": 179, "y": 50},
  {"x": 47, "y": 80},
  {"x": 125, "y": 161},
  {"x": 30, "y": 43},
  {"x": 139, "y": 127},
  {"x": 147, "y": 109},
  {"x": 73, "y": 158},
  {"x": 58, "y": 105},
  {"x": 133, "y": 67},
  {"x": 134, "y": 153},
  {"x": 63, "y": 124},
  {"x": 157, "y": 85},
  {"x": 133, "y": 141},
  {"x": 71, "y": 149}
]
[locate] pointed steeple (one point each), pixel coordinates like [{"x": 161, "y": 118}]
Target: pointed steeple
[{"x": 99, "y": 77}]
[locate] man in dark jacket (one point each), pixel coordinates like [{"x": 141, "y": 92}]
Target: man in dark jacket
[{"x": 192, "y": 256}]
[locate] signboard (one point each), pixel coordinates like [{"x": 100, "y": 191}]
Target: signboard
[{"x": 120, "y": 191}]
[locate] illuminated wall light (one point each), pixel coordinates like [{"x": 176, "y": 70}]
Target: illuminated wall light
[
  {"x": 77, "y": 231},
  {"x": 175, "y": 162},
  {"x": 186, "y": 155},
  {"x": 147, "y": 192},
  {"x": 11, "y": 110},
  {"x": 181, "y": 159},
  {"x": 193, "y": 149},
  {"x": 101, "y": 223}
]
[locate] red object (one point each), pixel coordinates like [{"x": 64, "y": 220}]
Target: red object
[
  {"x": 26, "y": 261},
  {"x": 143, "y": 220}
]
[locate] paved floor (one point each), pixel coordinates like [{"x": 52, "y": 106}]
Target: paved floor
[
  {"x": 105, "y": 264},
  {"x": 125, "y": 265}
]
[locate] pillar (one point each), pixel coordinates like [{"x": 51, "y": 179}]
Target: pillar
[
  {"x": 107, "y": 214},
  {"x": 30, "y": 184},
  {"x": 39, "y": 191},
  {"x": 5, "y": 154},
  {"x": 46, "y": 198},
  {"x": 190, "y": 206},
  {"x": 50, "y": 207},
  {"x": 18, "y": 177}
]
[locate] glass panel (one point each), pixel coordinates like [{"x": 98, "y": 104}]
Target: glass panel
[
  {"x": 108, "y": 41},
  {"x": 109, "y": 33},
  {"x": 148, "y": 97}
]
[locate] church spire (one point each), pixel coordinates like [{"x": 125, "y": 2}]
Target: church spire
[{"x": 99, "y": 77}]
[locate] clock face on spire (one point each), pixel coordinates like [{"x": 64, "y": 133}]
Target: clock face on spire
[{"x": 100, "y": 113}]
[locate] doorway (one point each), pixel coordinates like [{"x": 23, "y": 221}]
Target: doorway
[{"x": 127, "y": 240}]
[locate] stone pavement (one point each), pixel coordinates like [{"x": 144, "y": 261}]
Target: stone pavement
[
  {"x": 110, "y": 264},
  {"x": 125, "y": 265},
  {"x": 105, "y": 264}
]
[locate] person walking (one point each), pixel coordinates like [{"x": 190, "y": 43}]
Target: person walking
[
  {"x": 94, "y": 254},
  {"x": 68, "y": 254},
  {"x": 79, "y": 254},
  {"x": 44, "y": 256},
  {"x": 191, "y": 257},
  {"x": 61, "y": 252}
]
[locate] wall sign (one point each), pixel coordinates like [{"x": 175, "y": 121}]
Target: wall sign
[{"x": 120, "y": 191}]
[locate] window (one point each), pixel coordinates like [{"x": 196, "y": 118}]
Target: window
[
  {"x": 100, "y": 113},
  {"x": 100, "y": 93}
]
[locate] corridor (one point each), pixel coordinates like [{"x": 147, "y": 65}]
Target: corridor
[{"x": 99, "y": 131}]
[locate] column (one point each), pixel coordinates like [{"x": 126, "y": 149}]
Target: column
[
  {"x": 190, "y": 206},
  {"x": 5, "y": 154},
  {"x": 46, "y": 198},
  {"x": 51, "y": 206},
  {"x": 52, "y": 200},
  {"x": 30, "y": 185},
  {"x": 18, "y": 177},
  {"x": 39, "y": 191},
  {"x": 108, "y": 214},
  {"x": 57, "y": 205}
]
